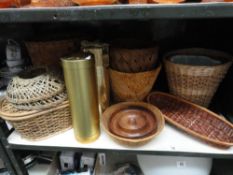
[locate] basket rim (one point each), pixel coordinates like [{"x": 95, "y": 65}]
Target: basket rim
[
  {"x": 189, "y": 131},
  {"x": 136, "y": 140},
  {"x": 35, "y": 114},
  {"x": 158, "y": 68},
  {"x": 228, "y": 58}
]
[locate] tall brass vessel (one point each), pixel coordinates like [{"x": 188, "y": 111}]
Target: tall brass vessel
[
  {"x": 80, "y": 79},
  {"x": 101, "y": 53}
]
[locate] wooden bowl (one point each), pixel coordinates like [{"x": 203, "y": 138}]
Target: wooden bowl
[
  {"x": 132, "y": 86},
  {"x": 132, "y": 120},
  {"x": 133, "y": 60},
  {"x": 94, "y": 2}
]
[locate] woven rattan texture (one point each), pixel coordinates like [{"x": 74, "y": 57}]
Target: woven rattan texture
[
  {"x": 43, "y": 104},
  {"x": 45, "y": 86},
  {"x": 48, "y": 53},
  {"x": 197, "y": 84},
  {"x": 41, "y": 124},
  {"x": 133, "y": 60},
  {"x": 193, "y": 118}
]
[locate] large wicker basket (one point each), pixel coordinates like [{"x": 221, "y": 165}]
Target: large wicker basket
[
  {"x": 196, "y": 83},
  {"x": 37, "y": 125},
  {"x": 48, "y": 53}
]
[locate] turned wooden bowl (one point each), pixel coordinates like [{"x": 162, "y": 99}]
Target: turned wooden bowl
[{"x": 132, "y": 123}]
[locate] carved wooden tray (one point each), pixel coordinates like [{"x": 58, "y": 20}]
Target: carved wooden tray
[{"x": 193, "y": 119}]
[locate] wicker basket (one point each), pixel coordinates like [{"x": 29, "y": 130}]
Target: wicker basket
[
  {"x": 196, "y": 83},
  {"x": 39, "y": 125},
  {"x": 133, "y": 60},
  {"x": 193, "y": 119},
  {"x": 34, "y": 85},
  {"x": 48, "y": 53},
  {"x": 132, "y": 86}
]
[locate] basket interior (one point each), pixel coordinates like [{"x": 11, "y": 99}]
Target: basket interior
[
  {"x": 194, "y": 60},
  {"x": 32, "y": 73}
]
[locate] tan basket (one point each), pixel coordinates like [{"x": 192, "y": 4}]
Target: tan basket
[
  {"x": 43, "y": 104},
  {"x": 39, "y": 125},
  {"x": 133, "y": 60},
  {"x": 41, "y": 86},
  {"x": 48, "y": 53},
  {"x": 197, "y": 84},
  {"x": 132, "y": 86}
]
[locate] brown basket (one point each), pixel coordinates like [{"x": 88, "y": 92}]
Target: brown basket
[
  {"x": 48, "y": 53},
  {"x": 195, "y": 83},
  {"x": 132, "y": 86},
  {"x": 39, "y": 125},
  {"x": 133, "y": 60},
  {"x": 193, "y": 119},
  {"x": 130, "y": 141}
]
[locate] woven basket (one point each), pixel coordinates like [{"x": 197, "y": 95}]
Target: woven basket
[
  {"x": 39, "y": 125},
  {"x": 196, "y": 83},
  {"x": 133, "y": 60},
  {"x": 48, "y": 53},
  {"x": 193, "y": 119},
  {"x": 42, "y": 104},
  {"x": 132, "y": 86},
  {"x": 33, "y": 86}
]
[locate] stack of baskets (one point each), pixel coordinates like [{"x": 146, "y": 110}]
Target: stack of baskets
[
  {"x": 36, "y": 104},
  {"x": 133, "y": 72}
]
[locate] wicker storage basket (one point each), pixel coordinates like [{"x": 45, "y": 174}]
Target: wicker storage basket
[
  {"x": 49, "y": 52},
  {"x": 40, "y": 124},
  {"x": 133, "y": 60},
  {"x": 132, "y": 86},
  {"x": 196, "y": 83},
  {"x": 193, "y": 119}
]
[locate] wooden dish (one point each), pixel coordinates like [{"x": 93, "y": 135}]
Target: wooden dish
[
  {"x": 137, "y": 122},
  {"x": 193, "y": 119},
  {"x": 132, "y": 86},
  {"x": 94, "y": 2}
]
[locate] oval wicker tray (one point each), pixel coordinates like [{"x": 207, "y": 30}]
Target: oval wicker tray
[{"x": 193, "y": 119}]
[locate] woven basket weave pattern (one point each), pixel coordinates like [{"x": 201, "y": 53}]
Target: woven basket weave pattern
[
  {"x": 43, "y": 126},
  {"x": 40, "y": 124},
  {"x": 43, "y": 104},
  {"x": 49, "y": 53},
  {"x": 197, "y": 84},
  {"x": 31, "y": 90}
]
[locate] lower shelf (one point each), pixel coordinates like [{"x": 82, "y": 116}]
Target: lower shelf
[{"x": 170, "y": 142}]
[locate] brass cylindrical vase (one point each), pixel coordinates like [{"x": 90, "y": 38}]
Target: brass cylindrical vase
[{"x": 80, "y": 79}]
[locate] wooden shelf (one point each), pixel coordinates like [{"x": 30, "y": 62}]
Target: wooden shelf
[{"x": 118, "y": 12}]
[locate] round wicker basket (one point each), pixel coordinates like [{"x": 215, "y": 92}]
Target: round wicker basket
[
  {"x": 133, "y": 60},
  {"x": 194, "y": 82},
  {"x": 33, "y": 86},
  {"x": 39, "y": 124}
]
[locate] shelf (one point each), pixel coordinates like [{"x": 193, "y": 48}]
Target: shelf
[
  {"x": 170, "y": 142},
  {"x": 118, "y": 12}
]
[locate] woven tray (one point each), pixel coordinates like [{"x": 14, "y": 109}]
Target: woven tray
[
  {"x": 37, "y": 125},
  {"x": 40, "y": 86},
  {"x": 193, "y": 119}
]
